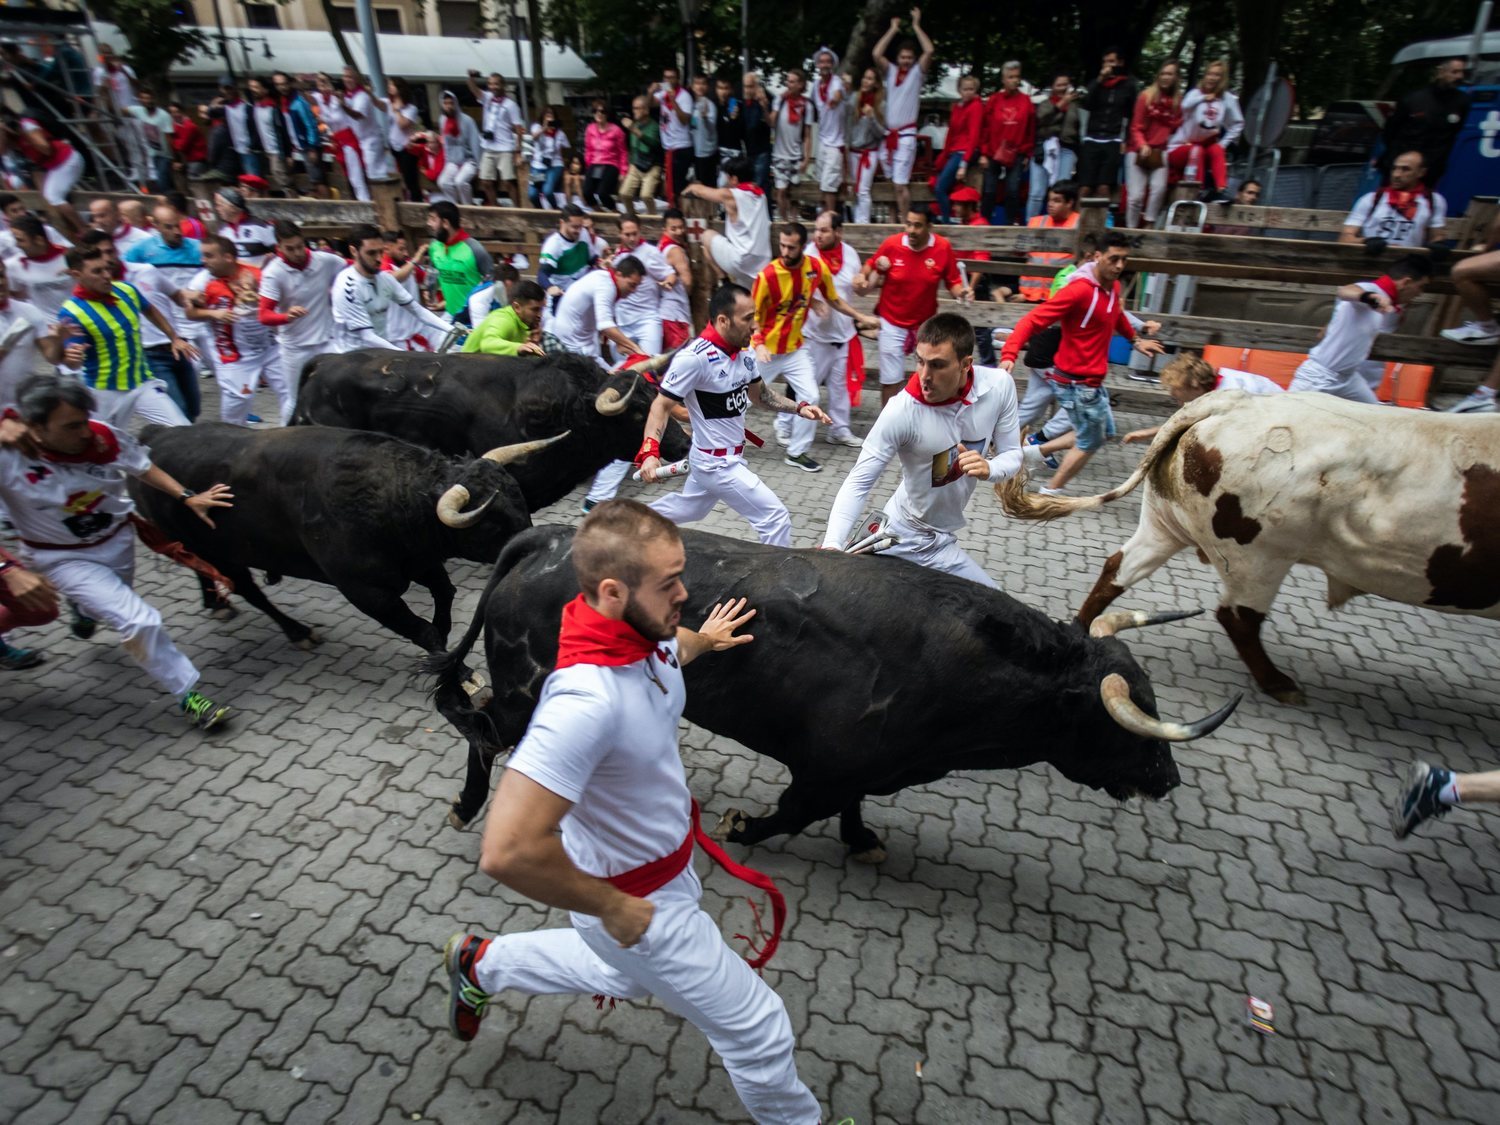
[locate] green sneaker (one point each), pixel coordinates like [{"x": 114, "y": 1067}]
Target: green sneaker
[
  {"x": 204, "y": 713},
  {"x": 467, "y": 1002},
  {"x": 13, "y": 659}
]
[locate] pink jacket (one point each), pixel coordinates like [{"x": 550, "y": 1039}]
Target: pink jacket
[{"x": 605, "y": 146}]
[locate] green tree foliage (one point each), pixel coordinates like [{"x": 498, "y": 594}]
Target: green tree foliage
[{"x": 156, "y": 34}]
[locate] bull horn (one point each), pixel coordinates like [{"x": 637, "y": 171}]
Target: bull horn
[
  {"x": 505, "y": 454},
  {"x": 610, "y": 402},
  {"x": 1122, "y": 709},
  {"x": 450, "y": 508},
  {"x": 1115, "y": 621}
]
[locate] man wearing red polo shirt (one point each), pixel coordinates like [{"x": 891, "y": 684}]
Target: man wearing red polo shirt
[{"x": 910, "y": 267}]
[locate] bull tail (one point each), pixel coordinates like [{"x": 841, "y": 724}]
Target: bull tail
[
  {"x": 1023, "y": 505},
  {"x": 447, "y": 668}
]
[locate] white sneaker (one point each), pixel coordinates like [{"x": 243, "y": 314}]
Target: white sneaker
[
  {"x": 783, "y": 438},
  {"x": 846, "y": 439},
  {"x": 1476, "y": 403},
  {"x": 1053, "y": 491},
  {"x": 1473, "y": 332}
]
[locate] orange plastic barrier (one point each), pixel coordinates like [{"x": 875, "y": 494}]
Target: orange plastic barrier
[{"x": 1407, "y": 383}]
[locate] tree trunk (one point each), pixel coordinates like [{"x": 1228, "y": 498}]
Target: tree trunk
[
  {"x": 538, "y": 71},
  {"x": 338, "y": 36},
  {"x": 1259, "y": 24},
  {"x": 869, "y": 25}
]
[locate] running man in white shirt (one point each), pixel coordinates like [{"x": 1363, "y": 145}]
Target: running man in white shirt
[
  {"x": 639, "y": 315},
  {"x": 587, "y": 312},
  {"x": 954, "y": 426},
  {"x": 829, "y": 95},
  {"x": 1403, "y": 213},
  {"x": 1362, "y": 311},
  {"x": 296, "y": 299},
  {"x": 500, "y": 129},
  {"x": 715, "y": 377},
  {"x": 39, "y": 271},
  {"x": 744, "y": 249},
  {"x": 226, "y": 296},
  {"x": 593, "y": 815},
  {"x": 66, "y": 494},
  {"x": 829, "y": 334},
  {"x": 364, "y": 293},
  {"x": 903, "y": 103},
  {"x": 29, "y": 342}
]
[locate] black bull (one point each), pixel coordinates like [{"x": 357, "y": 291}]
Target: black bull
[
  {"x": 466, "y": 404},
  {"x": 866, "y": 676}
]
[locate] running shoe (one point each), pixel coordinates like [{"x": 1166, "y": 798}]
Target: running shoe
[
  {"x": 1419, "y": 800},
  {"x": 1032, "y": 455},
  {"x": 783, "y": 433},
  {"x": 804, "y": 462},
  {"x": 202, "y": 711},
  {"x": 1473, "y": 332},
  {"x": 80, "y": 624},
  {"x": 1045, "y": 491},
  {"x": 13, "y": 659},
  {"x": 846, "y": 439},
  {"x": 1142, "y": 376},
  {"x": 587, "y": 506},
  {"x": 467, "y": 1002},
  {"x": 1475, "y": 403}
]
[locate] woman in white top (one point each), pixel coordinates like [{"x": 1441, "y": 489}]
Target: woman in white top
[
  {"x": 404, "y": 121},
  {"x": 547, "y": 162},
  {"x": 866, "y": 136},
  {"x": 1211, "y": 122}
]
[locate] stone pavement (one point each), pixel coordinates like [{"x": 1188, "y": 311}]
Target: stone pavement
[{"x": 246, "y": 927}]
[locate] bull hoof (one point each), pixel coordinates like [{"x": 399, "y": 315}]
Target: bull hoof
[
  {"x": 454, "y": 817},
  {"x": 730, "y": 823},
  {"x": 871, "y": 856},
  {"x": 309, "y": 642},
  {"x": 224, "y": 612},
  {"x": 1292, "y": 696}
]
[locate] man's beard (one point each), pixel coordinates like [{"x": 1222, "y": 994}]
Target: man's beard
[{"x": 645, "y": 625}]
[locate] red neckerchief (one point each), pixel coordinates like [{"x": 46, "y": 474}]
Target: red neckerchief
[
  {"x": 868, "y": 98},
  {"x": 794, "y": 108},
  {"x": 84, "y": 295},
  {"x": 269, "y": 102},
  {"x": 285, "y": 102},
  {"x": 103, "y": 448},
  {"x": 667, "y": 241},
  {"x": 293, "y": 264},
  {"x": 914, "y": 388},
  {"x": 53, "y": 252},
  {"x": 450, "y": 124},
  {"x": 753, "y": 189},
  {"x": 1059, "y": 102},
  {"x": 588, "y": 637},
  {"x": 1388, "y": 287},
  {"x": 833, "y": 259},
  {"x": 1405, "y": 203},
  {"x": 901, "y": 74},
  {"x": 460, "y": 235},
  {"x": 231, "y": 105},
  {"x": 711, "y": 334},
  {"x": 121, "y": 231},
  {"x": 823, "y": 87},
  {"x": 1114, "y": 80}
]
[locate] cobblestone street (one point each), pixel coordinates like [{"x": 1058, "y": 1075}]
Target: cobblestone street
[{"x": 246, "y": 927}]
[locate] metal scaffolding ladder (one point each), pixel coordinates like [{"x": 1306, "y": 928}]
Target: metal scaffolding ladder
[{"x": 1172, "y": 294}]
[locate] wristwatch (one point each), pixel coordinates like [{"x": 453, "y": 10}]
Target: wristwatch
[{"x": 186, "y": 494}]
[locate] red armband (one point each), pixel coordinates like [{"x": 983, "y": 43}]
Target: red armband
[{"x": 649, "y": 448}]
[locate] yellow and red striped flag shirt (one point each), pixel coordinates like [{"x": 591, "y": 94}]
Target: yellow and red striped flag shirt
[{"x": 781, "y": 299}]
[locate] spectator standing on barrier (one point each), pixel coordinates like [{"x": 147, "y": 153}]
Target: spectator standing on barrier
[
  {"x": 1211, "y": 122},
  {"x": 705, "y": 130},
  {"x": 114, "y": 93},
  {"x": 1429, "y": 120},
  {"x": 460, "y": 261},
  {"x": 302, "y": 130},
  {"x": 363, "y": 295},
  {"x": 792, "y": 149},
  {"x": 1057, "y": 132},
  {"x": 606, "y": 160},
  {"x": 547, "y": 161},
  {"x": 237, "y": 119},
  {"x": 460, "y": 137},
  {"x": 189, "y": 145},
  {"x": 1110, "y": 102},
  {"x": 363, "y": 108},
  {"x": 273, "y": 139},
  {"x": 296, "y": 299},
  {"x": 39, "y": 268},
  {"x": 676, "y": 311},
  {"x": 1481, "y": 328},
  {"x": 500, "y": 129},
  {"x": 1157, "y": 114},
  {"x": 910, "y": 267},
  {"x": 226, "y": 299},
  {"x": 730, "y": 119},
  {"x": 867, "y": 134},
  {"x": 828, "y": 336},
  {"x": 961, "y": 146},
  {"x": 830, "y": 97},
  {"x": 155, "y": 127},
  {"x": 1404, "y": 212},
  {"x": 511, "y": 330},
  {"x": 338, "y": 126},
  {"x": 638, "y": 192},
  {"x": 903, "y": 103},
  {"x": 403, "y": 122},
  {"x": 756, "y": 107},
  {"x": 674, "y": 112},
  {"x": 1007, "y": 138},
  {"x": 58, "y": 166},
  {"x": 742, "y": 251}
]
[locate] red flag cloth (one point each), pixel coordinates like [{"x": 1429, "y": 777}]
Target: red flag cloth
[
  {"x": 854, "y": 372},
  {"x": 156, "y": 540}
]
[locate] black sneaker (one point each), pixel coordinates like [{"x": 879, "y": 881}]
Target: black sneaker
[
  {"x": 1419, "y": 800},
  {"x": 203, "y": 712},
  {"x": 13, "y": 659},
  {"x": 80, "y": 624},
  {"x": 467, "y": 1002},
  {"x": 587, "y": 506},
  {"x": 804, "y": 462}
]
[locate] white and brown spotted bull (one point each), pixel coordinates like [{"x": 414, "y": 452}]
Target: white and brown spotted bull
[{"x": 1401, "y": 504}]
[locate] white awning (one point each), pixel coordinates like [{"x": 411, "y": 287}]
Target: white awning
[
  {"x": 417, "y": 58},
  {"x": 1457, "y": 47}
]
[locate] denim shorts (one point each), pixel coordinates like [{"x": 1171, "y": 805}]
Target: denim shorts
[{"x": 1088, "y": 407}]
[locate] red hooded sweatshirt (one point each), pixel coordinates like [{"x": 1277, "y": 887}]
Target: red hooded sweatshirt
[
  {"x": 1009, "y": 125},
  {"x": 1090, "y": 316}
]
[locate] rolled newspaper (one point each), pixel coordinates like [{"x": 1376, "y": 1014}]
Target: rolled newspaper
[{"x": 675, "y": 469}]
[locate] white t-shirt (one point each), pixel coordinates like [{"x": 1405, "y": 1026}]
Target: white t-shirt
[
  {"x": 546, "y": 148},
  {"x": 127, "y": 237},
  {"x": 674, "y": 301},
  {"x": 786, "y": 138},
  {"x": 749, "y": 232},
  {"x": 1376, "y": 218},
  {"x": 1231, "y": 380},
  {"x": 674, "y": 133},
  {"x": 311, "y": 287},
  {"x": 158, "y": 289},
  {"x": 586, "y": 309},
  {"x": 397, "y": 137},
  {"x": 1351, "y": 333},
  {"x": 45, "y": 282},
  {"x": 360, "y": 305},
  {"x": 156, "y": 126},
  {"x": 827, "y": 325},
  {"x": 237, "y": 118},
  {"x": 831, "y": 117},
  {"x": 66, "y": 503},
  {"x": 401, "y": 323},
  {"x": 903, "y": 100},
  {"x": 714, "y": 388},
  {"x": 605, "y": 738},
  {"x": 499, "y": 117},
  {"x": 367, "y": 125},
  {"x": 21, "y": 356},
  {"x": 925, "y": 439},
  {"x": 119, "y": 83},
  {"x": 645, "y": 302},
  {"x": 265, "y": 127}
]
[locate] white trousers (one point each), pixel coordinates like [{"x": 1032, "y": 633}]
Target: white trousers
[
  {"x": 379, "y": 163},
  {"x": 354, "y": 171},
  {"x": 150, "y": 402},
  {"x": 895, "y": 345},
  {"x": 936, "y": 550},
  {"x": 607, "y": 481},
  {"x": 797, "y": 369},
  {"x": 1145, "y": 190},
  {"x": 99, "y": 579},
  {"x": 829, "y": 362},
  {"x": 684, "y": 962},
  {"x": 238, "y": 380},
  {"x": 1034, "y": 401},
  {"x": 646, "y": 333},
  {"x": 862, "y": 176},
  {"x": 729, "y": 479},
  {"x": 293, "y": 359},
  {"x": 454, "y": 180},
  {"x": 1313, "y": 376}
]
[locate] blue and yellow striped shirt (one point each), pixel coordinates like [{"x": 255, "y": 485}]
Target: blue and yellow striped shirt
[{"x": 115, "y": 359}]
